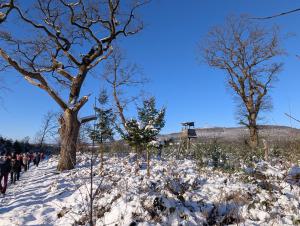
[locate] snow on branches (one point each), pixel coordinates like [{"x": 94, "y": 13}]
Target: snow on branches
[{"x": 143, "y": 131}]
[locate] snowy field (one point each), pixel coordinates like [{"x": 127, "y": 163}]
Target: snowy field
[{"x": 177, "y": 193}]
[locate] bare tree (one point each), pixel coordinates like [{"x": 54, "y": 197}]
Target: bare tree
[
  {"x": 60, "y": 42},
  {"x": 296, "y": 10},
  {"x": 121, "y": 75},
  {"x": 247, "y": 53},
  {"x": 49, "y": 128}
]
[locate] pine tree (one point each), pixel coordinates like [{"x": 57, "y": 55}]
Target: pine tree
[
  {"x": 104, "y": 127},
  {"x": 142, "y": 132},
  {"x": 152, "y": 119}
]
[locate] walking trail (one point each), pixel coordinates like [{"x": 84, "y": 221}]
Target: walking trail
[{"x": 29, "y": 201}]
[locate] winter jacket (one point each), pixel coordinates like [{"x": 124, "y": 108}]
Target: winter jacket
[
  {"x": 15, "y": 165},
  {"x": 37, "y": 158},
  {"x": 5, "y": 167},
  {"x": 19, "y": 164}
]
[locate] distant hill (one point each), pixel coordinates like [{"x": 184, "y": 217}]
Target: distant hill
[{"x": 268, "y": 132}]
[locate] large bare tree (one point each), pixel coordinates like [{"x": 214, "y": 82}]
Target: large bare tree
[
  {"x": 296, "y": 10},
  {"x": 120, "y": 75},
  {"x": 54, "y": 45},
  {"x": 248, "y": 54}
]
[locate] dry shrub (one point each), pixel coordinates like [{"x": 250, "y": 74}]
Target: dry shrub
[{"x": 227, "y": 209}]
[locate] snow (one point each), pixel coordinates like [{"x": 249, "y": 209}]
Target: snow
[
  {"x": 176, "y": 193},
  {"x": 154, "y": 143},
  {"x": 30, "y": 200}
]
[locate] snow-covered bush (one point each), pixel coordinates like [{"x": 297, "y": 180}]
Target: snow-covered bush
[{"x": 217, "y": 155}]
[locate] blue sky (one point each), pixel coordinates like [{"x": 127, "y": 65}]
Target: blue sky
[{"x": 166, "y": 49}]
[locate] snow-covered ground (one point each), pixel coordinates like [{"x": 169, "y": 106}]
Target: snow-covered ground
[{"x": 177, "y": 193}]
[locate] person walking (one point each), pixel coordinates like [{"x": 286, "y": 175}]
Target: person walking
[
  {"x": 5, "y": 170},
  {"x": 13, "y": 171},
  {"x": 37, "y": 159},
  {"x": 42, "y": 156},
  {"x": 19, "y": 164},
  {"x": 34, "y": 159},
  {"x": 25, "y": 162},
  {"x": 30, "y": 158}
]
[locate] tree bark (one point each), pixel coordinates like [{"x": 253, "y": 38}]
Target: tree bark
[
  {"x": 137, "y": 159},
  {"x": 101, "y": 157},
  {"x": 253, "y": 141},
  {"x": 69, "y": 133},
  {"x": 148, "y": 162}
]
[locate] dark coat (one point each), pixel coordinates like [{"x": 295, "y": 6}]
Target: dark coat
[
  {"x": 5, "y": 167},
  {"x": 15, "y": 165},
  {"x": 19, "y": 164},
  {"x": 37, "y": 158}
]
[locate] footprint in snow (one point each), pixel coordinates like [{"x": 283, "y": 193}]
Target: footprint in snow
[{"x": 3, "y": 200}]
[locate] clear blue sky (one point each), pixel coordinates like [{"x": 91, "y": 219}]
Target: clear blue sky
[{"x": 166, "y": 49}]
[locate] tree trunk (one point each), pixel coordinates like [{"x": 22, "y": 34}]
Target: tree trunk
[
  {"x": 69, "y": 134},
  {"x": 253, "y": 141},
  {"x": 101, "y": 157},
  {"x": 148, "y": 162},
  {"x": 137, "y": 159}
]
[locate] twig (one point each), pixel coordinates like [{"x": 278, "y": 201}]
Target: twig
[
  {"x": 297, "y": 120},
  {"x": 276, "y": 15}
]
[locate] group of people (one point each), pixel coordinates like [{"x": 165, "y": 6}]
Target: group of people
[{"x": 12, "y": 164}]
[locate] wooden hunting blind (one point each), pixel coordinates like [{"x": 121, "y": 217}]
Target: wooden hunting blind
[{"x": 188, "y": 131}]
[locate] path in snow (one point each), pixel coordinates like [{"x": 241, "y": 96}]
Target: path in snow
[{"x": 28, "y": 201}]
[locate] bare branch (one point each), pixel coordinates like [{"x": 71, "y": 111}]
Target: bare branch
[
  {"x": 100, "y": 59},
  {"x": 87, "y": 119},
  {"x": 288, "y": 115},
  {"x": 80, "y": 103},
  {"x": 35, "y": 79},
  {"x": 120, "y": 75},
  {"x": 49, "y": 127},
  {"x": 8, "y": 6},
  {"x": 277, "y": 15}
]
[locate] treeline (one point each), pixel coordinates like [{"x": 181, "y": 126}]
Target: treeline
[{"x": 14, "y": 146}]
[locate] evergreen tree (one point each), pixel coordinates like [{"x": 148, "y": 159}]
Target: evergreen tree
[
  {"x": 152, "y": 119},
  {"x": 104, "y": 127},
  {"x": 142, "y": 132},
  {"x": 134, "y": 134},
  {"x": 139, "y": 133}
]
